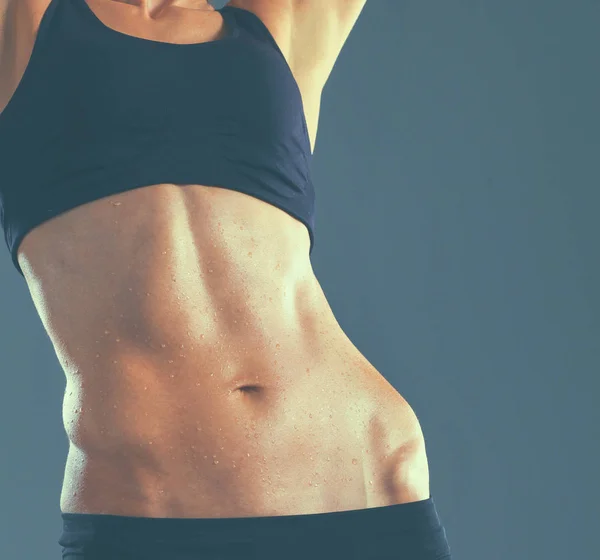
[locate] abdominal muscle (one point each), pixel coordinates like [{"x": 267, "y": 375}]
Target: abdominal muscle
[{"x": 206, "y": 375}]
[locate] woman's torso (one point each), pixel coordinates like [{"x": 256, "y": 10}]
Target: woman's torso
[{"x": 206, "y": 373}]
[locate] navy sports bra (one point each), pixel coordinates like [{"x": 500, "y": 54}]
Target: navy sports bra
[{"x": 99, "y": 112}]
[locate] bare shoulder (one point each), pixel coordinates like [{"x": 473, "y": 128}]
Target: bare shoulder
[
  {"x": 312, "y": 33},
  {"x": 22, "y": 8},
  {"x": 17, "y": 18},
  {"x": 19, "y": 24},
  {"x": 7, "y": 18}
]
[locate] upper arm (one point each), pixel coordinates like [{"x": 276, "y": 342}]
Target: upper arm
[
  {"x": 321, "y": 29},
  {"x": 313, "y": 32},
  {"x": 5, "y": 7},
  {"x": 19, "y": 16}
]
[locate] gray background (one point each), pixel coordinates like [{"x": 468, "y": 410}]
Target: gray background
[{"x": 457, "y": 170}]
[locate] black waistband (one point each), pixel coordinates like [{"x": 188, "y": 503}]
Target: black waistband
[{"x": 413, "y": 528}]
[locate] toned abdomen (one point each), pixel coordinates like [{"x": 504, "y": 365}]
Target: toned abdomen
[{"x": 206, "y": 373}]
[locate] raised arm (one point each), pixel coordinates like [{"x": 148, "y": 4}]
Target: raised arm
[{"x": 318, "y": 30}]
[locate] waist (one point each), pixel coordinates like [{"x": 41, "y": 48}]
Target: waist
[
  {"x": 174, "y": 411},
  {"x": 316, "y": 432},
  {"x": 228, "y": 431},
  {"x": 161, "y": 396}
]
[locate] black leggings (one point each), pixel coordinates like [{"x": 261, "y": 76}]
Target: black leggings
[{"x": 399, "y": 532}]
